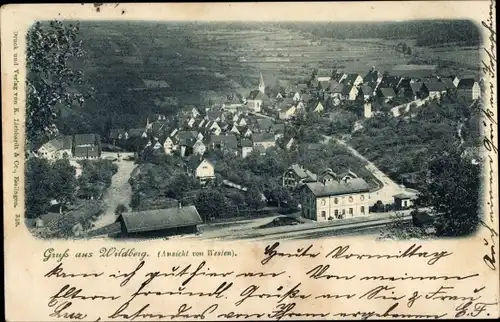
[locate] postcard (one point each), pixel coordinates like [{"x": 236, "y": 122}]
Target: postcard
[{"x": 250, "y": 161}]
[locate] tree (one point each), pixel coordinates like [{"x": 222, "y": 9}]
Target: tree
[
  {"x": 64, "y": 182},
  {"x": 38, "y": 187},
  {"x": 120, "y": 209},
  {"x": 49, "y": 76},
  {"x": 211, "y": 204},
  {"x": 452, "y": 191},
  {"x": 253, "y": 199}
]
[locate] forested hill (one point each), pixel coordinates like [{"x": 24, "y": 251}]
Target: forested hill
[{"x": 426, "y": 33}]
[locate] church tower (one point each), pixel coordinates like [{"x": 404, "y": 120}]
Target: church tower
[{"x": 262, "y": 86}]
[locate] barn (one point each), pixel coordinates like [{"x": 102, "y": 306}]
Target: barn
[{"x": 160, "y": 222}]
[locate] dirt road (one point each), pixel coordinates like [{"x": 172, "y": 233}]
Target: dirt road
[{"x": 119, "y": 192}]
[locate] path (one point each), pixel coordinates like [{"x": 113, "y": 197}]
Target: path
[
  {"x": 389, "y": 189},
  {"x": 119, "y": 192}
]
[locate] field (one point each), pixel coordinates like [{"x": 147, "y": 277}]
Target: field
[{"x": 203, "y": 64}]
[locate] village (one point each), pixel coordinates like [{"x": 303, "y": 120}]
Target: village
[{"x": 198, "y": 140}]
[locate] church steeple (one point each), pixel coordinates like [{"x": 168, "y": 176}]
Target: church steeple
[{"x": 262, "y": 86}]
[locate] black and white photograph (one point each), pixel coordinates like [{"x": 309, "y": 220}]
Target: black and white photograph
[{"x": 248, "y": 130}]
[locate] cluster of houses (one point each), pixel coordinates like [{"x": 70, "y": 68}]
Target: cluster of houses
[
  {"x": 78, "y": 146},
  {"x": 330, "y": 87}
]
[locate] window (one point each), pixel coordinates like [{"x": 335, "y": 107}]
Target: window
[
  {"x": 350, "y": 211},
  {"x": 323, "y": 214},
  {"x": 361, "y": 197},
  {"x": 336, "y": 200},
  {"x": 351, "y": 199},
  {"x": 323, "y": 202},
  {"x": 362, "y": 209},
  {"x": 336, "y": 214},
  {"x": 343, "y": 211}
]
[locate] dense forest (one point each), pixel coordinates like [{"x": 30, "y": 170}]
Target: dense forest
[{"x": 426, "y": 33}]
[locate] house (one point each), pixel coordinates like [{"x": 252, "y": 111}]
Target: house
[
  {"x": 264, "y": 139},
  {"x": 324, "y": 85},
  {"x": 336, "y": 89},
  {"x": 327, "y": 176},
  {"x": 347, "y": 175},
  {"x": 387, "y": 93},
  {"x": 416, "y": 89},
  {"x": 434, "y": 89},
  {"x": 225, "y": 143},
  {"x": 448, "y": 83},
  {"x": 57, "y": 148},
  {"x": 287, "y": 112},
  {"x": 390, "y": 82},
  {"x": 306, "y": 97},
  {"x": 157, "y": 145},
  {"x": 264, "y": 124},
  {"x": 154, "y": 118},
  {"x": 168, "y": 146},
  {"x": 469, "y": 89},
  {"x": 295, "y": 94},
  {"x": 336, "y": 199},
  {"x": 158, "y": 128},
  {"x": 296, "y": 175},
  {"x": 200, "y": 168},
  {"x": 366, "y": 91},
  {"x": 352, "y": 80},
  {"x": 404, "y": 201},
  {"x": 241, "y": 121},
  {"x": 234, "y": 129},
  {"x": 278, "y": 128},
  {"x": 257, "y": 100},
  {"x": 214, "y": 116},
  {"x": 232, "y": 103},
  {"x": 317, "y": 107},
  {"x": 350, "y": 93},
  {"x": 87, "y": 146},
  {"x": 260, "y": 150},
  {"x": 372, "y": 77},
  {"x": 246, "y": 132},
  {"x": 199, "y": 148},
  {"x": 159, "y": 222},
  {"x": 290, "y": 144},
  {"x": 246, "y": 147},
  {"x": 324, "y": 75},
  {"x": 455, "y": 79},
  {"x": 117, "y": 135}
]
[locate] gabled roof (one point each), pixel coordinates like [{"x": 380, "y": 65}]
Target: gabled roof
[
  {"x": 246, "y": 143},
  {"x": 336, "y": 188},
  {"x": 390, "y": 81},
  {"x": 367, "y": 90},
  {"x": 151, "y": 220},
  {"x": 448, "y": 83},
  {"x": 264, "y": 124},
  {"x": 324, "y": 85},
  {"x": 278, "y": 127},
  {"x": 466, "y": 83},
  {"x": 349, "y": 80},
  {"x": 213, "y": 115},
  {"x": 387, "y": 92},
  {"x": 301, "y": 172},
  {"x": 257, "y": 95},
  {"x": 306, "y": 97},
  {"x": 435, "y": 86},
  {"x": 115, "y": 133},
  {"x": 371, "y": 76},
  {"x": 336, "y": 87},
  {"x": 416, "y": 87},
  {"x": 136, "y": 132},
  {"x": 229, "y": 140},
  {"x": 263, "y": 137},
  {"x": 86, "y": 139},
  {"x": 347, "y": 89},
  {"x": 59, "y": 143}
]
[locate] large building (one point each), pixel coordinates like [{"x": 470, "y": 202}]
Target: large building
[
  {"x": 159, "y": 223},
  {"x": 338, "y": 199}
]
